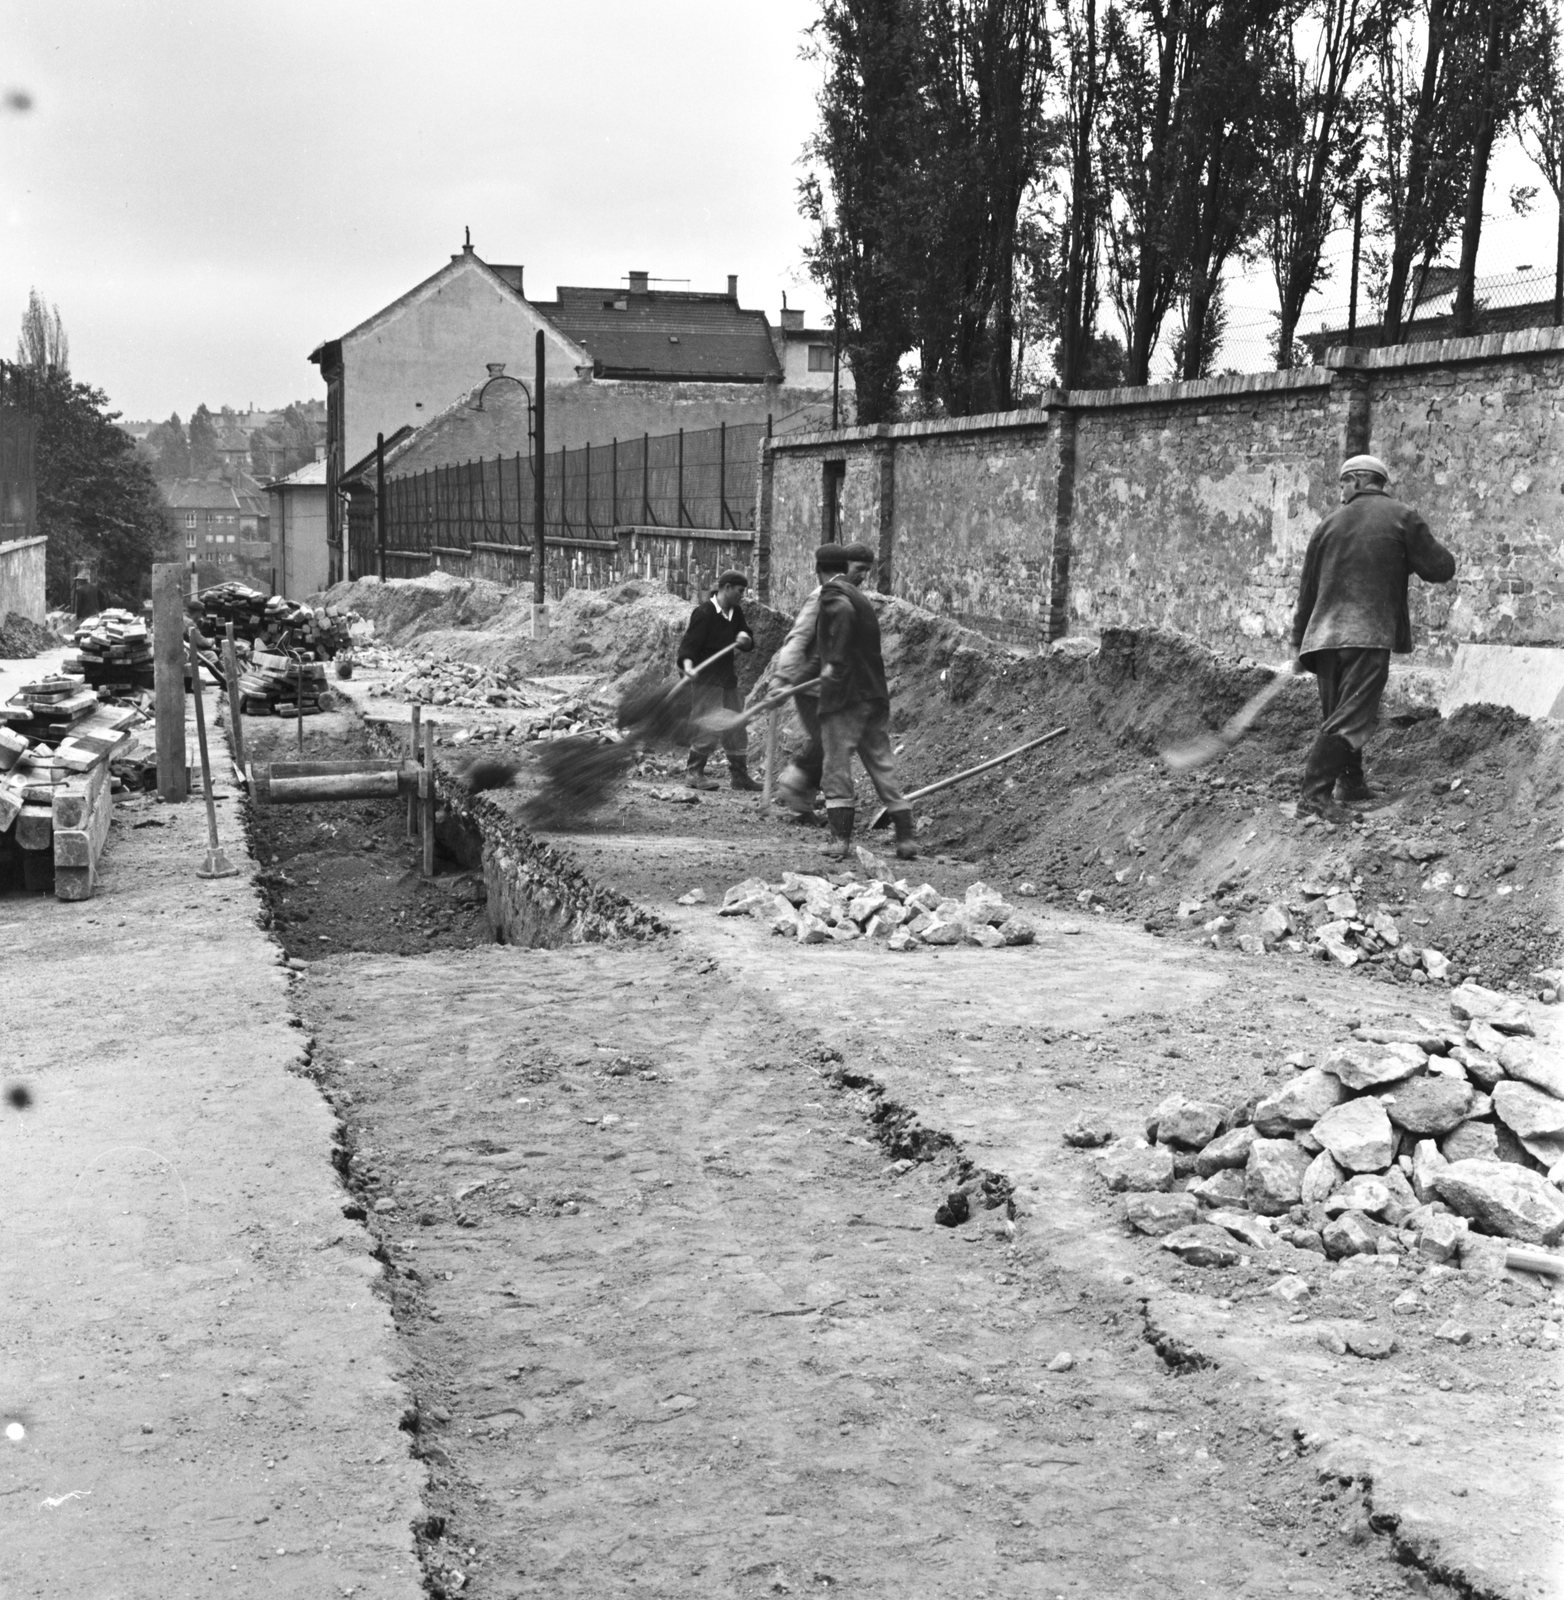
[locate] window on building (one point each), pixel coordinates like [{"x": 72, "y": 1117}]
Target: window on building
[
  {"x": 190, "y": 540},
  {"x": 819, "y": 358},
  {"x": 190, "y": 519}
]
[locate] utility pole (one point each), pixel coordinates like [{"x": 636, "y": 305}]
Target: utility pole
[
  {"x": 539, "y": 541},
  {"x": 1357, "y": 250}
]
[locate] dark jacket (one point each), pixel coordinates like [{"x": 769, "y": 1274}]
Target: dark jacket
[
  {"x": 1353, "y": 593},
  {"x": 849, "y": 640},
  {"x": 709, "y": 631}
]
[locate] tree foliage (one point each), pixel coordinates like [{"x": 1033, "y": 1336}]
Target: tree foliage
[
  {"x": 42, "y": 346},
  {"x": 282, "y": 446},
  {"x": 169, "y": 448},
  {"x": 204, "y": 455},
  {"x": 1539, "y": 123}
]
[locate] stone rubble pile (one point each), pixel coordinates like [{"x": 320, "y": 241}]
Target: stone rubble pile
[
  {"x": 1438, "y": 1140},
  {"x": 821, "y": 910}
]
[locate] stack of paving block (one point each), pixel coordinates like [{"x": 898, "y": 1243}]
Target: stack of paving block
[
  {"x": 114, "y": 652},
  {"x": 271, "y": 622},
  {"x": 55, "y": 804},
  {"x": 280, "y": 685},
  {"x": 46, "y": 710}
]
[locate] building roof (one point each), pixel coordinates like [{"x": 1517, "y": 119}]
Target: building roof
[
  {"x": 216, "y": 494},
  {"x": 311, "y": 475},
  {"x": 666, "y": 334},
  {"x": 365, "y": 467}
]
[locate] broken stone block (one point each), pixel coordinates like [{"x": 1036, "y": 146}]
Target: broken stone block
[
  {"x": 1224, "y": 1188},
  {"x": 1298, "y": 1104},
  {"x": 1333, "y": 938},
  {"x": 1139, "y": 1167},
  {"x": 1428, "y": 1105},
  {"x": 1320, "y": 1178},
  {"x": 903, "y": 939},
  {"x": 1302, "y": 1238},
  {"x": 1427, "y": 1159},
  {"x": 1291, "y": 1289},
  {"x": 1363, "y": 1192},
  {"x": 1439, "y": 1236},
  {"x": 1541, "y": 1068},
  {"x": 983, "y": 936},
  {"x": 1447, "y": 1067},
  {"x": 798, "y": 886},
  {"x": 1329, "y": 1338},
  {"x": 1273, "y": 924},
  {"x": 1483, "y": 1069},
  {"x": 1482, "y": 1255},
  {"x": 1251, "y": 944},
  {"x": 812, "y": 929},
  {"x": 941, "y": 933},
  {"x": 1471, "y": 1002},
  {"x": 1273, "y": 1178},
  {"x": 1436, "y": 964},
  {"x": 1527, "y": 1111},
  {"x": 1229, "y": 1149},
  {"x": 1453, "y": 1333},
  {"x": 1189, "y": 1124},
  {"x": 1353, "y": 1233},
  {"x": 1504, "y": 1199},
  {"x": 1358, "y": 1134},
  {"x": 1367, "y": 1066},
  {"x": 1203, "y": 1246},
  {"x": 1088, "y": 1130},
  {"x": 1243, "y": 1227},
  {"x": 1548, "y": 1148},
  {"x": 1403, "y": 1201},
  {"x": 1157, "y": 1214},
  {"x": 1369, "y": 1344},
  {"x": 869, "y": 904},
  {"x": 1018, "y": 930}
]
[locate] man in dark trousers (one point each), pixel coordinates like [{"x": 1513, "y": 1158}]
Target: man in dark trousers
[
  {"x": 797, "y": 661},
  {"x": 1352, "y": 613},
  {"x": 855, "y": 705},
  {"x": 714, "y": 625}
]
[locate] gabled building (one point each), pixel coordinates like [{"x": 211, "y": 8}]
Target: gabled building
[
  {"x": 299, "y": 554},
  {"x": 223, "y": 523},
  {"x": 620, "y": 361}
]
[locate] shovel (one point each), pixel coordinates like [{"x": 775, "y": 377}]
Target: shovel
[
  {"x": 1206, "y": 747},
  {"x": 882, "y": 816},
  {"x": 718, "y": 723}
]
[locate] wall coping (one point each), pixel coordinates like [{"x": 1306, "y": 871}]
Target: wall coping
[
  {"x": 1448, "y": 352},
  {"x": 21, "y": 544},
  {"x": 717, "y": 535}
]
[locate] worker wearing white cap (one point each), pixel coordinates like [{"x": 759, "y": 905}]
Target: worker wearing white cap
[{"x": 1352, "y": 614}]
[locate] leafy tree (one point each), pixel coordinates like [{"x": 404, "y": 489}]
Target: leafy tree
[
  {"x": 1084, "y": 75},
  {"x": 1539, "y": 119},
  {"x": 204, "y": 456},
  {"x": 282, "y": 446},
  {"x": 170, "y": 450},
  {"x": 42, "y": 346},
  {"x": 861, "y": 199},
  {"x": 1315, "y": 149},
  {"x": 96, "y": 497}
]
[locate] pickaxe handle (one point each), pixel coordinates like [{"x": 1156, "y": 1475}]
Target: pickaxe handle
[{"x": 972, "y": 772}]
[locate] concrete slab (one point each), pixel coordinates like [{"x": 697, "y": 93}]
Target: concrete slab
[{"x": 1528, "y": 679}]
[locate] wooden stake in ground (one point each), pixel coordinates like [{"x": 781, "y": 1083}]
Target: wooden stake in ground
[
  {"x": 773, "y": 726},
  {"x": 168, "y": 679},
  {"x": 426, "y": 791},
  {"x": 216, "y": 864},
  {"x": 412, "y": 799},
  {"x": 299, "y": 707},
  {"x": 235, "y": 715}
]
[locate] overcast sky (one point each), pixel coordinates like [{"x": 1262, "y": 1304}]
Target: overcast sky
[{"x": 207, "y": 190}]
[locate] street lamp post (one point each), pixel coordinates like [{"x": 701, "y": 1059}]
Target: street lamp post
[{"x": 497, "y": 374}]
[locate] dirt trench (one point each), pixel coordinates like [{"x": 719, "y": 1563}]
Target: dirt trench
[{"x": 676, "y": 1312}]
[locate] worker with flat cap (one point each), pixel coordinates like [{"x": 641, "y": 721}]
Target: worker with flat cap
[
  {"x": 798, "y": 661},
  {"x": 715, "y": 625},
  {"x": 1352, "y": 614},
  {"x": 855, "y": 704}
]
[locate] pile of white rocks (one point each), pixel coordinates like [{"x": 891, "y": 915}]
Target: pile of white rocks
[
  {"x": 1439, "y": 1140},
  {"x": 817, "y": 910}
]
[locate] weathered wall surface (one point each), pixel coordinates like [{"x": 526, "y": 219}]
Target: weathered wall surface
[
  {"x": 1191, "y": 505},
  {"x": 22, "y": 577}
]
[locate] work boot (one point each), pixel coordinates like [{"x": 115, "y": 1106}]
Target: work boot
[
  {"x": 906, "y": 850},
  {"x": 1327, "y": 757},
  {"x": 795, "y": 791},
  {"x": 695, "y": 775},
  {"x": 738, "y": 775},
  {"x": 1352, "y": 787},
  {"x": 836, "y": 848}
]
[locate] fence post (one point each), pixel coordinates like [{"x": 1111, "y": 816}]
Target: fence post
[
  {"x": 722, "y": 474},
  {"x": 539, "y": 544},
  {"x": 646, "y": 480},
  {"x": 380, "y": 502},
  {"x": 518, "y": 499},
  {"x": 483, "y": 501},
  {"x": 679, "y": 518},
  {"x": 587, "y": 476},
  {"x": 614, "y": 480},
  {"x": 564, "y": 491}
]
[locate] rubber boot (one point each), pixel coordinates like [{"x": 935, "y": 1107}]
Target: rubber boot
[
  {"x": 695, "y": 774},
  {"x": 738, "y": 774},
  {"x": 836, "y": 848},
  {"x": 796, "y": 792},
  {"x": 1352, "y": 787},
  {"x": 1327, "y": 756},
  {"x": 906, "y": 850}
]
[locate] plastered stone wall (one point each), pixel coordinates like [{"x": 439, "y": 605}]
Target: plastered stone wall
[{"x": 22, "y": 564}]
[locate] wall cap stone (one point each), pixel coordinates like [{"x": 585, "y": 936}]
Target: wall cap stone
[{"x": 1447, "y": 352}]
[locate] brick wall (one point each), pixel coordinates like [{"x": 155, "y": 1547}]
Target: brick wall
[{"x": 1190, "y": 505}]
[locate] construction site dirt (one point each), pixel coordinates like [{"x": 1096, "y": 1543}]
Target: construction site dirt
[{"x": 658, "y": 1215}]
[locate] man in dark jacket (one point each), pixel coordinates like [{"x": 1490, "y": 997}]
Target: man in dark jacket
[
  {"x": 855, "y": 705},
  {"x": 715, "y": 625},
  {"x": 1352, "y": 613}
]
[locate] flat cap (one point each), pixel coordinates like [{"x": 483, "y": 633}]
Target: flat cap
[
  {"x": 857, "y": 552},
  {"x": 831, "y": 558},
  {"x": 733, "y": 575},
  {"x": 1365, "y": 464}
]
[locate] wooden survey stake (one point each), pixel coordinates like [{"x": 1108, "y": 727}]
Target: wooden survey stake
[
  {"x": 168, "y": 665},
  {"x": 427, "y": 797}
]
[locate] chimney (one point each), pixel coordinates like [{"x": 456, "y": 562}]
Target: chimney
[
  {"x": 639, "y": 282},
  {"x": 733, "y": 286},
  {"x": 496, "y": 369},
  {"x": 792, "y": 321}
]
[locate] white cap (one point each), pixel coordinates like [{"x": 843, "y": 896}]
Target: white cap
[{"x": 1365, "y": 464}]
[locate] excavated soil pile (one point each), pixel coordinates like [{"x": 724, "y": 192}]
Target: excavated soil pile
[
  {"x": 1462, "y": 852},
  {"x": 21, "y": 638},
  {"x": 610, "y": 635}
]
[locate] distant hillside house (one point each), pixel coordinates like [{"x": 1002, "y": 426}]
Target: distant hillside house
[
  {"x": 620, "y": 362},
  {"x": 223, "y": 520}
]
